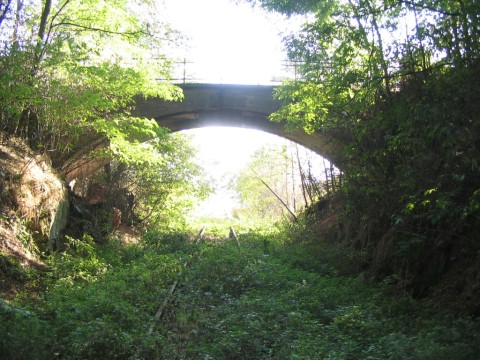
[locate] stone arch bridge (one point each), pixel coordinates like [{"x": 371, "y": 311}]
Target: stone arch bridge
[{"x": 246, "y": 106}]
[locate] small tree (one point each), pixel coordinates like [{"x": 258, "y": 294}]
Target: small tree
[{"x": 70, "y": 68}]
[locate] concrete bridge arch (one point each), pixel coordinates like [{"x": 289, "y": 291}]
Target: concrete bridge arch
[{"x": 245, "y": 106}]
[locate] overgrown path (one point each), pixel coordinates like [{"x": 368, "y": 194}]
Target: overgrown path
[
  {"x": 265, "y": 300},
  {"x": 268, "y": 298}
]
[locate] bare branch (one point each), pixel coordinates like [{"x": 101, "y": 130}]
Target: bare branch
[
  {"x": 4, "y": 11},
  {"x": 275, "y": 194},
  {"x": 106, "y": 31},
  {"x": 53, "y": 19},
  {"x": 430, "y": 8}
]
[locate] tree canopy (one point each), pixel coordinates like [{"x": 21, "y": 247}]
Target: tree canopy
[
  {"x": 72, "y": 68},
  {"x": 393, "y": 81},
  {"x": 70, "y": 73}
]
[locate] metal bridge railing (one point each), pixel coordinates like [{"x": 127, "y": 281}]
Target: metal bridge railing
[{"x": 186, "y": 71}]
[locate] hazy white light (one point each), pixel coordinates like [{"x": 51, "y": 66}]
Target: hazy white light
[
  {"x": 224, "y": 152},
  {"x": 227, "y": 42}
]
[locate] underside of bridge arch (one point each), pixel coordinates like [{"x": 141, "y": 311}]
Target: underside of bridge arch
[
  {"x": 243, "y": 106},
  {"x": 246, "y": 119}
]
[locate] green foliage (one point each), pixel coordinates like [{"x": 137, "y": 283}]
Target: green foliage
[
  {"x": 269, "y": 187},
  {"x": 109, "y": 318},
  {"x": 422, "y": 172},
  {"x": 99, "y": 303},
  {"x": 11, "y": 268},
  {"x": 79, "y": 263},
  {"x": 170, "y": 242},
  {"x": 253, "y": 302},
  {"x": 76, "y": 79},
  {"x": 164, "y": 179},
  {"x": 391, "y": 83},
  {"x": 288, "y": 7},
  {"x": 128, "y": 138},
  {"x": 26, "y": 237},
  {"x": 252, "y": 305},
  {"x": 154, "y": 184}
]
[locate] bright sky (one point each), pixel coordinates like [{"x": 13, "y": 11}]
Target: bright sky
[{"x": 228, "y": 42}]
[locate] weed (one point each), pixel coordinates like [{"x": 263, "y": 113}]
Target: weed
[{"x": 231, "y": 304}]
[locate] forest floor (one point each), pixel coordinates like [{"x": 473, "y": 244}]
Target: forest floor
[{"x": 263, "y": 297}]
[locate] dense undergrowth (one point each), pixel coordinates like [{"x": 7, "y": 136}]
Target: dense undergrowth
[{"x": 272, "y": 297}]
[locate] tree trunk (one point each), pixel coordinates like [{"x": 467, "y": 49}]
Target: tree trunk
[
  {"x": 16, "y": 25},
  {"x": 39, "y": 50},
  {"x": 4, "y": 11}
]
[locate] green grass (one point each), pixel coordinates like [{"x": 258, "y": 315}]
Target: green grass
[{"x": 267, "y": 300}]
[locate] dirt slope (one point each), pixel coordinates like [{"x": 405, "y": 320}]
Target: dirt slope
[{"x": 33, "y": 209}]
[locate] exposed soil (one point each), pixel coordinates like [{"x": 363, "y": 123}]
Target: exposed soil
[
  {"x": 127, "y": 234},
  {"x": 29, "y": 194}
]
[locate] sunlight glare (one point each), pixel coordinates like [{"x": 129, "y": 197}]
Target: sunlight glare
[
  {"x": 228, "y": 42},
  {"x": 224, "y": 152}
]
